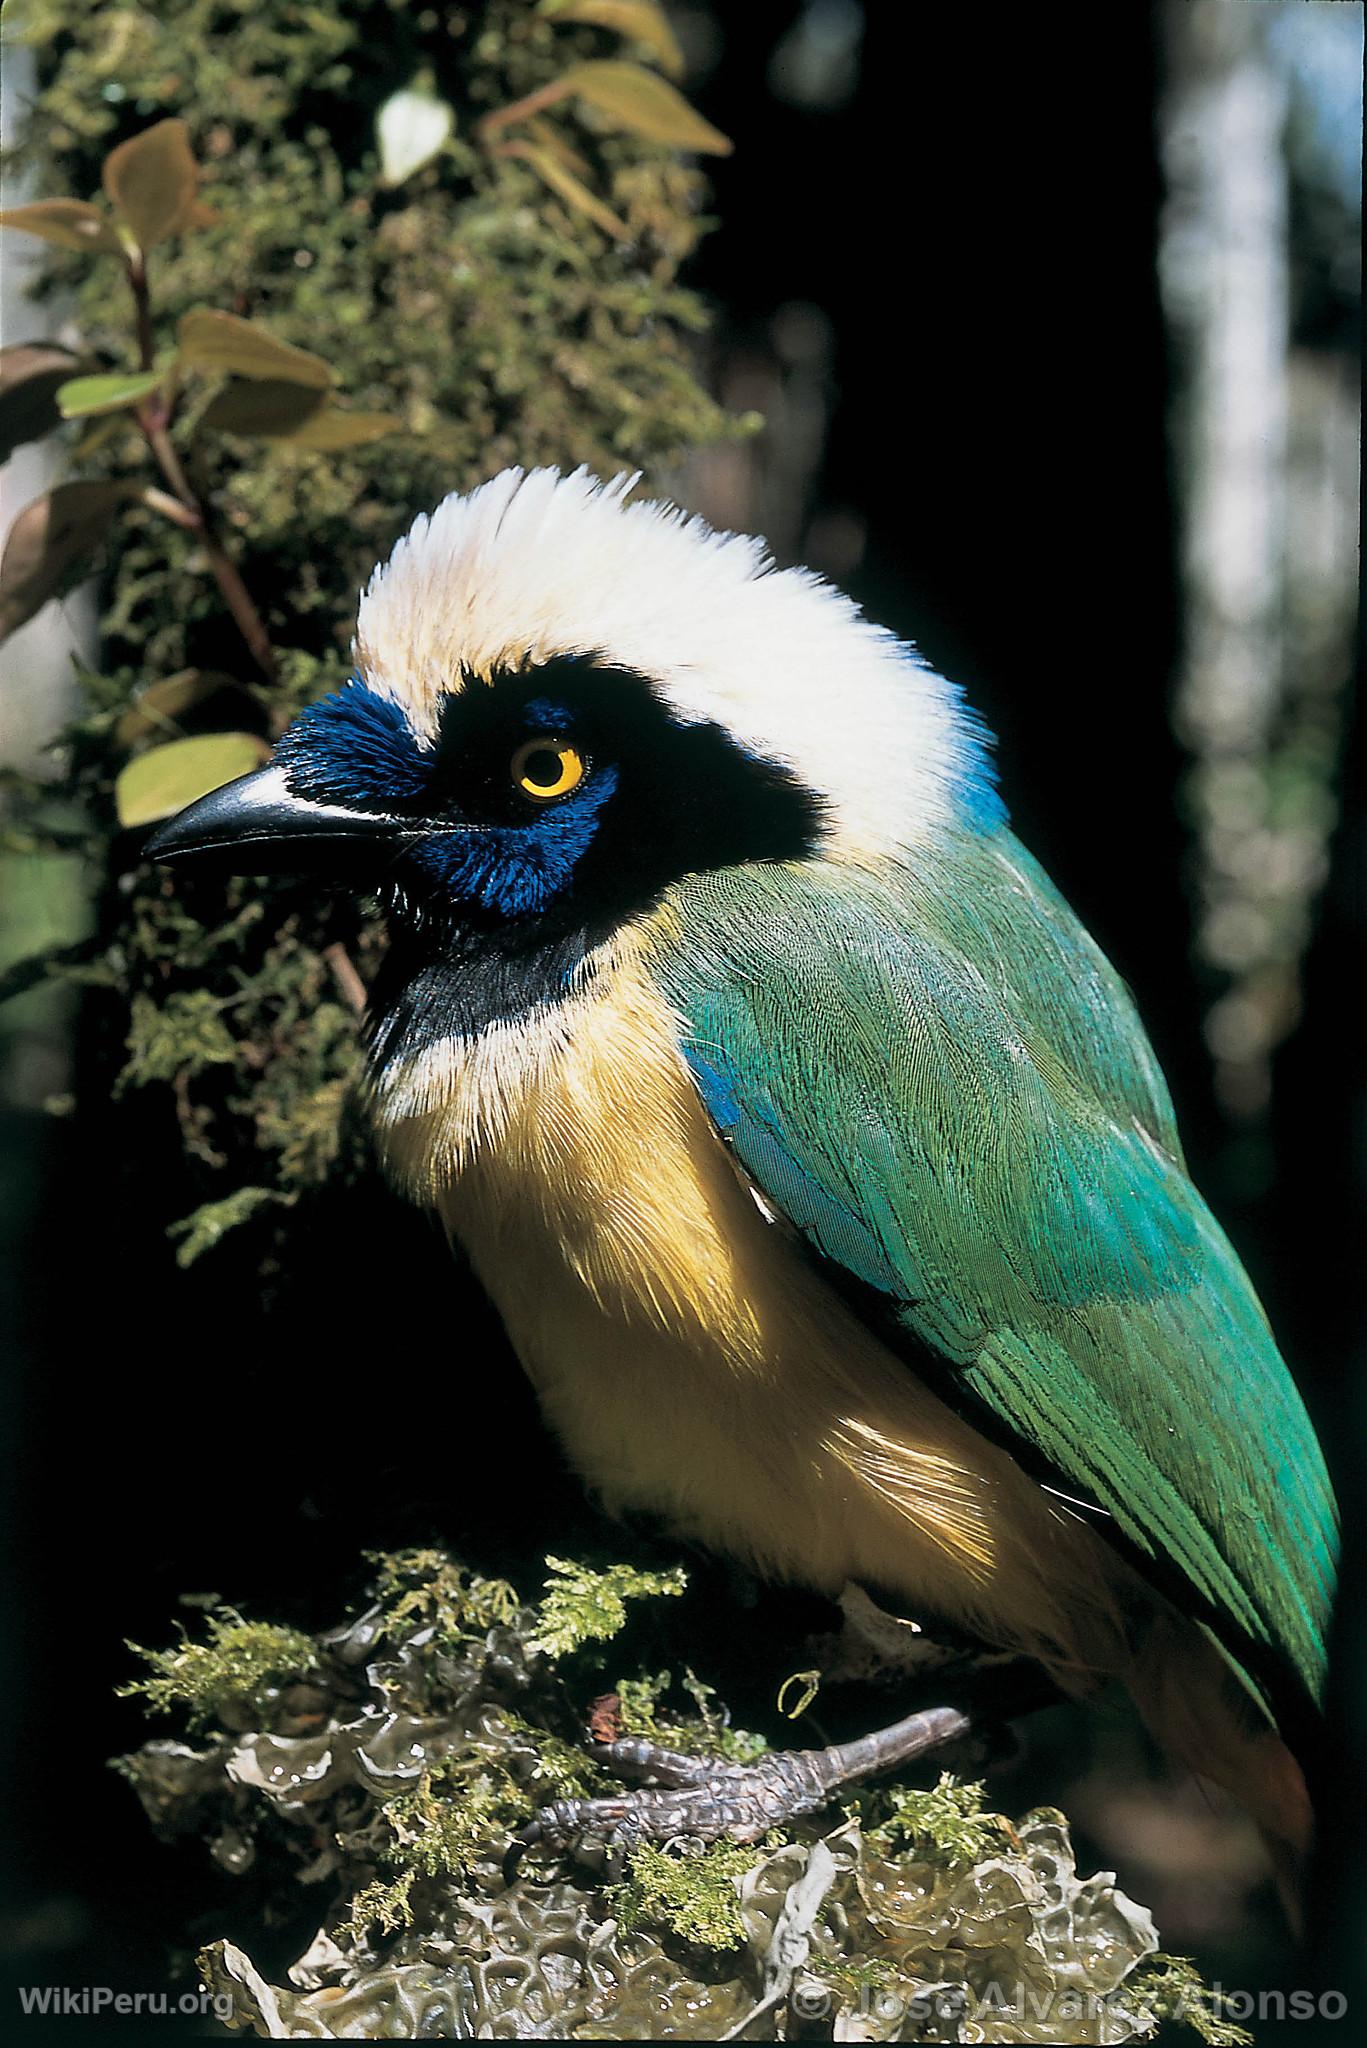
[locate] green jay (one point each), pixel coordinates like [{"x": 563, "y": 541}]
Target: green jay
[{"x": 811, "y": 1151}]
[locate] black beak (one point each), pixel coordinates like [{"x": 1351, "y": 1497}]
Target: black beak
[{"x": 257, "y": 826}]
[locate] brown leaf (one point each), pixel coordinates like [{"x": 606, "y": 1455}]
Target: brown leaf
[
  {"x": 153, "y": 180},
  {"x": 221, "y": 341},
  {"x": 639, "y": 21},
  {"x": 48, "y": 539},
  {"x": 264, "y": 405},
  {"x": 164, "y": 702},
  {"x": 561, "y": 179},
  {"x": 632, "y": 97},
  {"x": 30, "y": 375},
  {"x": 67, "y": 223},
  {"x": 605, "y": 1718}
]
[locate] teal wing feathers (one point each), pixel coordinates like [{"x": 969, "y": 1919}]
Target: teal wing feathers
[{"x": 937, "y": 1077}]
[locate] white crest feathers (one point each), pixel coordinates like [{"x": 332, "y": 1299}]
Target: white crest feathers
[{"x": 536, "y": 564}]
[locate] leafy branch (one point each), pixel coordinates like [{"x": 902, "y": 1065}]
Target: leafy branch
[
  {"x": 273, "y": 389},
  {"x": 513, "y": 307}
]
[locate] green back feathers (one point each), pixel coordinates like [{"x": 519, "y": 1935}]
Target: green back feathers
[{"x": 938, "y": 1078}]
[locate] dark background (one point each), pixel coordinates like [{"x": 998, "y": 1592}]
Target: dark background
[{"x": 978, "y": 221}]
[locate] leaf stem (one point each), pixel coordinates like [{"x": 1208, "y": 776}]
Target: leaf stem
[
  {"x": 221, "y": 564},
  {"x": 142, "y": 301},
  {"x": 518, "y": 110},
  {"x": 185, "y": 508}
]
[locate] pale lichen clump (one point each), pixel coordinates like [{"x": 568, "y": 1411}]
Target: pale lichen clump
[{"x": 390, "y": 1760}]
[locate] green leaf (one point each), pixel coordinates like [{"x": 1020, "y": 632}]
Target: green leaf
[
  {"x": 66, "y": 223},
  {"x": 153, "y": 180},
  {"x": 46, "y": 542},
  {"x": 639, "y": 21},
  {"x": 632, "y": 97},
  {"x": 411, "y": 128},
  {"x": 571, "y": 189},
  {"x": 31, "y": 374},
  {"x": 221, "y": 341},
  {"x": 265, "y": 405},
  {"x": 161, "y": 782},
  {"x": 118, "y": 393},
  {"x": 333, "y": 429}
]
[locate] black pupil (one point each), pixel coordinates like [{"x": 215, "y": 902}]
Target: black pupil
[{"x": 543, "y": 768}]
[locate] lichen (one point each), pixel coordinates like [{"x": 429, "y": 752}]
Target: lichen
[{"x": 431, "y": 1725}]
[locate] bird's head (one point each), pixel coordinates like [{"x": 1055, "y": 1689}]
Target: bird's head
[{"x": 563, "y": 704}]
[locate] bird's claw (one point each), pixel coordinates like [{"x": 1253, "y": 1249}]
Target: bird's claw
[{"x": 705, "y": 1799}]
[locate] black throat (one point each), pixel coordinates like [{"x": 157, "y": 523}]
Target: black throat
[{"x": 444, "y": 983}]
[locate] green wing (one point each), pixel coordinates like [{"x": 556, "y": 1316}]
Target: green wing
[{"x": 937, "y": 1077}]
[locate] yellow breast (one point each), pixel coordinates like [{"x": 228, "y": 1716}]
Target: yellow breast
[{"x": 688, "y": 1353}]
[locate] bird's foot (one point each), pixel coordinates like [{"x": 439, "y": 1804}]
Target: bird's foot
[{"x": 706, "y": 1799}]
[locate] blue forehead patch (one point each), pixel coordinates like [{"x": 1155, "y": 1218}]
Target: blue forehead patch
[{"x": 355, "y": 747}]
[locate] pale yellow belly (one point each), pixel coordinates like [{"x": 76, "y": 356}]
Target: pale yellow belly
[{"x": 691, "y": 1359}]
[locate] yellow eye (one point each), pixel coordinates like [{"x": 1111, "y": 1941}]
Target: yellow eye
[{"x": 545, "y": 768}]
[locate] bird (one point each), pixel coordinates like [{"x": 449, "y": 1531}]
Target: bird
[{"x": 811, "y": 1151}]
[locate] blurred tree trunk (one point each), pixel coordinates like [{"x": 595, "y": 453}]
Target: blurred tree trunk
[{"x": 1265, "y": 433}]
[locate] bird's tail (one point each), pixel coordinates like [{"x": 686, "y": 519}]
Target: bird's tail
[{"x": 1194, "y": 1702}]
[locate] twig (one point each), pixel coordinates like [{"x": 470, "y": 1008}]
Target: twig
[
  {"x": 172, "y": 509},
  {"x": 191, "y": 512},
  {"x": 349, "y": 983}
]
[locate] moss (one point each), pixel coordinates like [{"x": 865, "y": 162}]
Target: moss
[
  {"x": 1172, "y": 1989},
  {"x": 385, "y": 1789},
  {"x": 236, "y": 1673},
  {"x": 692, "y": 1896},
  {"x": 212, "y": 1221},
  {"x": 184, "y": 1036},
  {"x": 582, "y": 1606},
  {"x": 706, "y": 1732},
  {"x": 440, "y": 1829},
  {"x": 428, "y": 1589},
  {"x": 383, "y": 1906},
  {"x": 948, "y": 1818}
]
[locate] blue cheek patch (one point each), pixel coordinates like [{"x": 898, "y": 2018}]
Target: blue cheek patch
[
  {"x": 354, "y": 747},
  {"x": 518, "y": 870}
]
